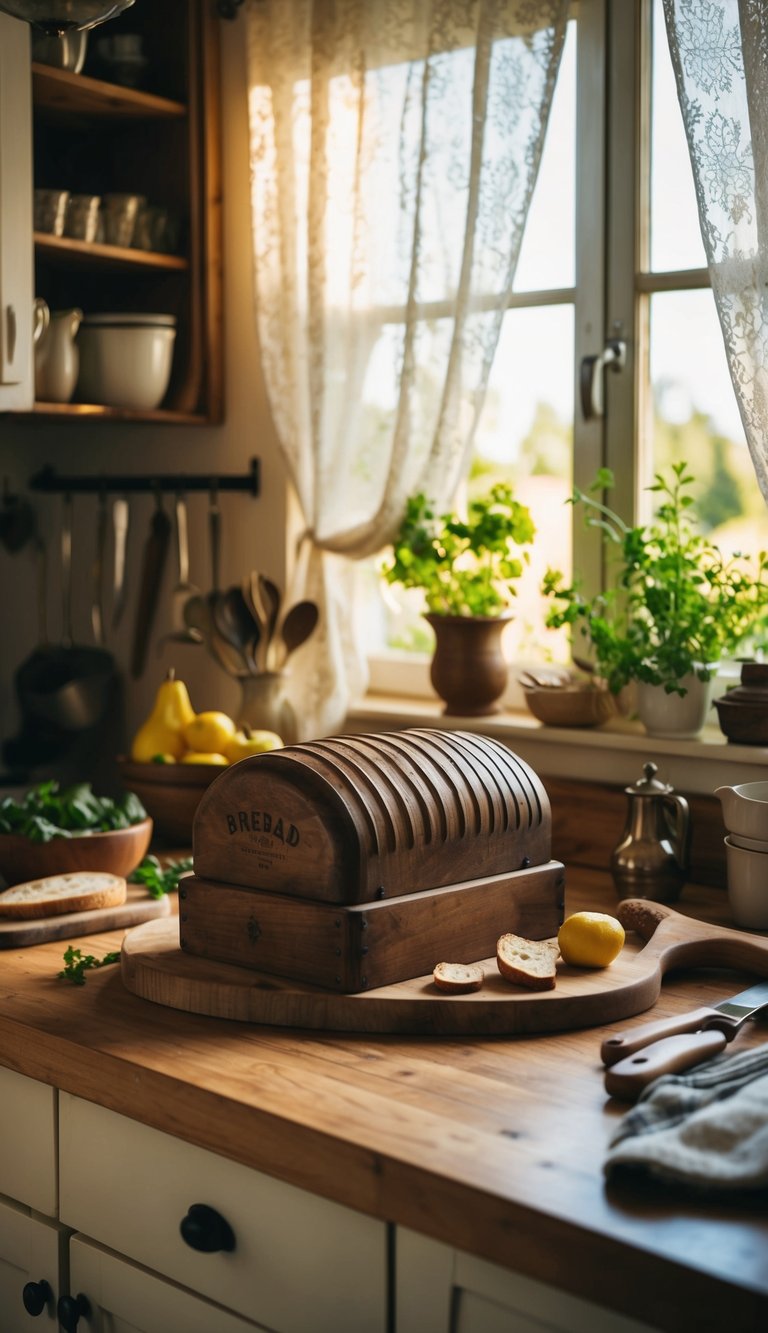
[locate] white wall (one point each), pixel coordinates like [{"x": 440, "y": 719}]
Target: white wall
[{"x": 253, "y": 530}]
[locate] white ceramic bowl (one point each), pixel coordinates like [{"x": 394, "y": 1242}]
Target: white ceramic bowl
[
  {"x": 747, "y": 886},
  {"x": 125, "y": 360},
  {"x": 745, "y": 809}
]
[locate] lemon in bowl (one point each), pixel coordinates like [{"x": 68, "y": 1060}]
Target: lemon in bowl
[{"x": 590, "y": 939}]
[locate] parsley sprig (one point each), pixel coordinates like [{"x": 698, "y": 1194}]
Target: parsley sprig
[
  {"x": 159, "y": 879},
  {"x": 76, "y": 963}
]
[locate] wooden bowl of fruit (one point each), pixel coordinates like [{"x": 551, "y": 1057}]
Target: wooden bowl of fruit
[{"x": 177, "y": 753}]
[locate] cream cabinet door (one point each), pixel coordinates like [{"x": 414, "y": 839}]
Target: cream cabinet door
[
  {"x": 16, "y": 239},
  {"x": 28, "y": 1140},
  {"x": 30, "y": 1253},
  {"x": 122, "y": 1298},
  {"x": 442, "y": 1290},
  {"x": 294, "y": 1262}
]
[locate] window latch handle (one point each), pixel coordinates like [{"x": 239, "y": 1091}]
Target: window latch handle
[{"x": 614, "y": 354}]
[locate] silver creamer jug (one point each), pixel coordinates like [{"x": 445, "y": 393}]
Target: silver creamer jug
[{"x": 651, "y": 860}]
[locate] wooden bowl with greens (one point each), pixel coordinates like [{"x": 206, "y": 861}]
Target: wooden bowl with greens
[{"x": 53, "y": 830}]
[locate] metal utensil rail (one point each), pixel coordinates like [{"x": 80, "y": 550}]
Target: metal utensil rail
[{"x": 48, "y": 479}]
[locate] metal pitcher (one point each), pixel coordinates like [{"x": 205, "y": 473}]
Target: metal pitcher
[{"x": 651, "y": 860}]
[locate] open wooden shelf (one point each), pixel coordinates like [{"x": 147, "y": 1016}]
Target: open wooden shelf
[
  {"x": 161, "y": 142},
  {"x": 94, "y": 254},
  {"x": 61, "y": 92}
]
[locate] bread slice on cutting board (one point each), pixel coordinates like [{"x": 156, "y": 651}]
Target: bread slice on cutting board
[
  {"x": 530, "y": 963},
  {"x": 458, "y": 978},
  {"x": 78, "y": 891}
]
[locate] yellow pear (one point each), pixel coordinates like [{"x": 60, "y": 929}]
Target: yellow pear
[
  {"x": 247, "y": 741},
  {"x": 163, "y": 731}
]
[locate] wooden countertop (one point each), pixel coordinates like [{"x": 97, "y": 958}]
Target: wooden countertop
[{"x": 494, "y": 1145}]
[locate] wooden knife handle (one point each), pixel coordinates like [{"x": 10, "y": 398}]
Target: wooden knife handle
[
  {"x": 624, "y": 1044},
  {"x": 668, "y": 1056}
]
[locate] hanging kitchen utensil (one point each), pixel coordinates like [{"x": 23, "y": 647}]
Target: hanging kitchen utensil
[
  {"x": 183, "y": 589},
  {"x": 120, "y": 526},
  {"x": 17, "y": 521},
  {"x": 153, "y": 568},
  {"x": 97, "y": 602},
  {"x": 68, "y": 687},
  {"x": 214, "y": 531},
  {"x": 299, "y": 623}
]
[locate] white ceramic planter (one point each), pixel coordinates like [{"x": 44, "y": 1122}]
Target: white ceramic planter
[{"x": 670, "y": 715}]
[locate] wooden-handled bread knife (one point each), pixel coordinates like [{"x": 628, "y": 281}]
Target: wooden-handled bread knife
[{"x": 670, "y": 1045}]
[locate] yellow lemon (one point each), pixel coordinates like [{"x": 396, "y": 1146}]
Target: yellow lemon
[
  {"x": 209, "y": 733},
  {"x": 590, "y": 939},
  {"x": 203, "y": 757}
]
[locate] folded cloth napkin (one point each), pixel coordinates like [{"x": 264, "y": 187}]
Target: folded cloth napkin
[{"x": 707, "y": 1128}]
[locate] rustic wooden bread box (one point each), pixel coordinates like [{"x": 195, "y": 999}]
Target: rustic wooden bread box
[{"x": 356, "y": 861}]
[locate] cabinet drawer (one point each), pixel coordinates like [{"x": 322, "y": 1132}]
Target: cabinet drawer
[
  {"x": 28, "y": 1141},
  {"x": 300, "y": 1263},
  {"x": 29, "y": 1252},
  {"x": 125, "y": 1299}
]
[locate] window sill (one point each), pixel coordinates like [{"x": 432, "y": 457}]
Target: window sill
[{"x": 613, "y": 753}]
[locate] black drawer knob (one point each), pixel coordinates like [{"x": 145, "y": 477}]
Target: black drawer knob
[
  {"x": 205, "y": 1229},
  {"x": 35, "y": 1296},
  {"x": 71, "y": 1309}
]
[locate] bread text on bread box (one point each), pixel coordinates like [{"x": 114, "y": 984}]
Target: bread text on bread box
[{"x": 354, "y": 862}]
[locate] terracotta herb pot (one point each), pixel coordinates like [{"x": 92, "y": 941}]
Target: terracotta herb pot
[{"x": 469, "y": 671}]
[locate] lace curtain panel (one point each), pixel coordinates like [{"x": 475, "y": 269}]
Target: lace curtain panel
[
  {"x": 394, "y": 149},
  {"x": 719, "y": 52}
]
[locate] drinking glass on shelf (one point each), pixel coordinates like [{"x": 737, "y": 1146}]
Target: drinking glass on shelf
[
  {"x": 82, "y": 220},
  {"x": 50, "y": 209}
]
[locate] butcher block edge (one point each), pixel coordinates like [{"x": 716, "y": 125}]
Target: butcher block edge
[{"x": 361, "y": 947}]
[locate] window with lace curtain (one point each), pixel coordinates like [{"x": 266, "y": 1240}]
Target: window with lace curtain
[{"x": 612, "y": 249}]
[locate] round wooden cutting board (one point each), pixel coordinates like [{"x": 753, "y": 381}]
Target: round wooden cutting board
[{"x": 154, "y": 967}]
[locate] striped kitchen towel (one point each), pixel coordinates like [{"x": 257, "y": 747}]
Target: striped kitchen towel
[{"x": 707, "y": 1128}]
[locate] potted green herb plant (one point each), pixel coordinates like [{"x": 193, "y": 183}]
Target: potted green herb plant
[
  {"x": 467, "y": 569},
  {"x": 677, "y": 606}
]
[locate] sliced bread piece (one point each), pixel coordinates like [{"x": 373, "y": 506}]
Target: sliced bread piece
[
  {"x": 79, "y": 891},
  {"x": 457, "y": 978},
  {"x": 530, "y": 963}
]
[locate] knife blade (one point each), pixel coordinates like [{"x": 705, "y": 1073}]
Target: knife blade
[
  {"x": 153, "y": 566},
  {"x": 670, "y": 1045}
]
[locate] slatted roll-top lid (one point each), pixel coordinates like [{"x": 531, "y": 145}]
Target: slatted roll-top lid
[{"x": 352, "y": 818}]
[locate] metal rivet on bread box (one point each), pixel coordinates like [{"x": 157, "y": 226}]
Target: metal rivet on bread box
[{"x": 420, "y": 834}]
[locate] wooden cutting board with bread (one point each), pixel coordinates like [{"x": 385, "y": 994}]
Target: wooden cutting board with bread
[
  {"x": 79, "y": 902},
  {"x": 154, "y": 966}
]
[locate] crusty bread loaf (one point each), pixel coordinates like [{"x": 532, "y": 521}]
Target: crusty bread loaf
[
  {"x": 79, "y": 891},
  {"x": 458, "y": 977},
  {"x": 530, "y": 963}
]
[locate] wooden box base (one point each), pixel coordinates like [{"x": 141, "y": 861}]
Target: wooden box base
[{"x": 364, "y": 946}]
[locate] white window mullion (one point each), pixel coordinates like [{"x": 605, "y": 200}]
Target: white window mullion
[{"x": 590, "y": 306}]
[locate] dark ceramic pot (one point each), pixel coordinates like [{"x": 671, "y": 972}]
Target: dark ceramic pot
[{"x": 469, "y": 671}]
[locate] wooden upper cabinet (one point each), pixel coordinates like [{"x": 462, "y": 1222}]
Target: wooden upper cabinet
[{"x": 158, "y": 138}]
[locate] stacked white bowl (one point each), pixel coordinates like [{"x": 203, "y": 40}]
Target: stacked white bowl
[{"x": 745, "y": 813}]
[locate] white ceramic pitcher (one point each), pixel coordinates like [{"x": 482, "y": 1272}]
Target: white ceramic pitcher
[{"x": 57, "y": 359}]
